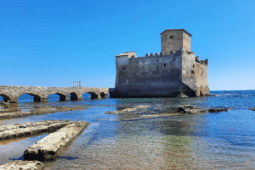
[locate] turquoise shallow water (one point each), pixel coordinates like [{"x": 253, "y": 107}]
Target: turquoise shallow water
[{"x": 224, "y": 140}]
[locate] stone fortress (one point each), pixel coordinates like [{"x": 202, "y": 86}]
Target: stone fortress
[{"x": 175, "y": 72}]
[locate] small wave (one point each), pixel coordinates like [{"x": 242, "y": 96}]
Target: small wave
[{"x": 231, "y": 95}]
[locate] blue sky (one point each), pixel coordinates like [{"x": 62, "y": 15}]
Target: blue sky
[{"x": 53, "y": 43}]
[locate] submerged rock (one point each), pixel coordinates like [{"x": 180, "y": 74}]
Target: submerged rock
[
  {"x": 31, "y": 165},
  {"x": 216, "y": 110},
  {"x": 253, "y": 109}
]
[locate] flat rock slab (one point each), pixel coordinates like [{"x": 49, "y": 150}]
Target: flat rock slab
[
  {"x": 129, "y": 109},
  {"x": 22, "y": 165},
  {"x": 17, "y": 114},
  {"x": 51, "y": 146},
  {"x": 30, "y": 128}
]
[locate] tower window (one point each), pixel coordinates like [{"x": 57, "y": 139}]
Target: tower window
[
  {"x": 171, "y": 37},
  {"x": 124, "y": 68},
  {"x": 164, "y": 64}
]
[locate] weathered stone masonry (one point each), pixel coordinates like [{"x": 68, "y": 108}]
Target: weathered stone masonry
[
  {"x": 12, "y": 93},
  {"x": 174, "y": 72}
]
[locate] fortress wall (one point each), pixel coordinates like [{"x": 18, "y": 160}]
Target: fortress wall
[
  {"x": 149, "y": 76},
  {"x": 202, "y": 85},
  {"x": 188, "y": 74},
  {"x": 194, "y": 74}
]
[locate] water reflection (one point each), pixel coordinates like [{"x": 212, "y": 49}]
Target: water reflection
[{"x": 15, "y": 149}]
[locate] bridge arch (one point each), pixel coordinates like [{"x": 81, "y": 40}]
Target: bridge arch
[
  {"x": 5, "y": 97},
  {"x": 73, "y": 96},
  {"x": 103, "y": 95},
  {"x": 93, "y": 95},
  {"x": 62, "y": 97},
  {"x": 36, "y": 97}
]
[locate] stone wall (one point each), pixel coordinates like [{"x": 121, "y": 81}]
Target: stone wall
[
  {"x": 194, "y": 75},
  {"x": 12, "y": 93},
  {"x": 177, "y": 74},
  {"x": 158, "y": 75},
  {"x": 202, "y": 85},
  {"x": 188, "y": 74}
]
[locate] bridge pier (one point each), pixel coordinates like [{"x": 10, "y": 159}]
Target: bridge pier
[
  {"x": 13, "y": 100},
  {"x": 79, "y": 97},
  {"x": 44, "y": 99}
]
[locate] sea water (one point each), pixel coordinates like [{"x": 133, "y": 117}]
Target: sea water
[{"x": 224, "y": 140}]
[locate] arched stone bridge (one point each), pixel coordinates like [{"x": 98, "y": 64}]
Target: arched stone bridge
[{"x": 40, "y": 94}]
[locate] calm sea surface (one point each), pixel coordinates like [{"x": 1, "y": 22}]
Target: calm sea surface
[{"x": 224, "y": 140}]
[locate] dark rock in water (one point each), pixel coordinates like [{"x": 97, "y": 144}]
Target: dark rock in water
[
  {"x": 216, "y": 110},
  {"x": 194, "y": 109},
  {"x": 253, "y": 109},
  {"x": 190, "y": 109}
]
